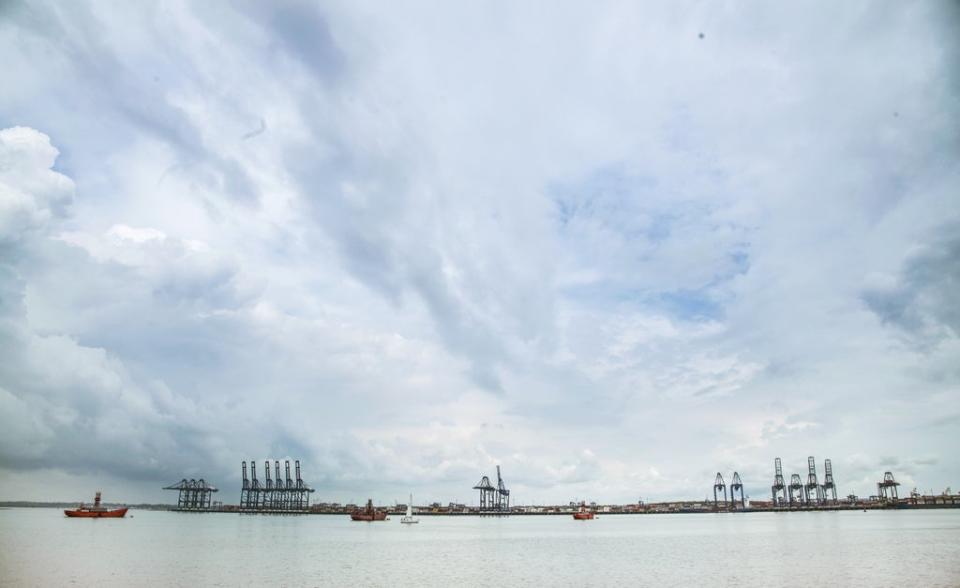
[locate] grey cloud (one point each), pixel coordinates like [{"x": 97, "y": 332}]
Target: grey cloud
[
  {"x": 385, "y": 244},
  {"x": 261, "y": 128},
  {"x": 80, "y": 408},
  {"x": 921, "y": 299},
  {"x": 100, "y": 77},
  {"x": 303, "y": 31}
]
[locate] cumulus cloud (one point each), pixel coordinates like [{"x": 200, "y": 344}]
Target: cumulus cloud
[{"x": 31, "y": 192}]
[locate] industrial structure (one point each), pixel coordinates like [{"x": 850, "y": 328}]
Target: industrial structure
[
  {"x": 720, "y": 491},
  {"x": 801, "y": 495},
  {"x": 502, "y": 493},
  {"x": 487, "y": 493},
  {"x": 796, "y": 493},
  {"x": 493, "y": 499},
  {"x": 195, "y": 495},
  {"x": 736, "y": 485},
  {"x": 828, "y": 483},
  {"x": 812, "y": 485},
  {"x": 795, "y": 490},
  {"x": 275, "y": 495},
  {"x": 779, "y": 488},
  {"x": 887, "y": 489},
  {"x": 719, "y": 485}
]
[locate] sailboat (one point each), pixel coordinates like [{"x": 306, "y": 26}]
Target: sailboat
[{"x": 409, "y": 519}]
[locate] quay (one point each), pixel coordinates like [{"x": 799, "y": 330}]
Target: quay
[{"x": 655, "y": 508}]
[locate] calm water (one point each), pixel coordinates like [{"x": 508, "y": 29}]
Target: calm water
[{"x": 40, "y": 547}]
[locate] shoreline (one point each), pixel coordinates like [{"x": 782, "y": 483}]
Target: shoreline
[{"x": 518, "y": 513}]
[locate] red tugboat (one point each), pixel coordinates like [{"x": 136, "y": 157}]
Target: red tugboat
[
  {"x": 368, "y": 513},
  {"x": 96, "y": 511},
  {"x": 583, "y": 514}
]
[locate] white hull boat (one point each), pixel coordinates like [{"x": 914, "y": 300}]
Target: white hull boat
[{"x": 409, "y": 519}]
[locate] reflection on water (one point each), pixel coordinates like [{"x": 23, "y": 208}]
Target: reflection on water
[{"x": 42, "y": 547}]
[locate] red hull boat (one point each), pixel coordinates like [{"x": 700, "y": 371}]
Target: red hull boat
[
  {"x": 94, "y": 514},
  {"x": 368, "y": 514},
  {"x": 583, "y": 514},
  {"x": 96, "y": 511}
]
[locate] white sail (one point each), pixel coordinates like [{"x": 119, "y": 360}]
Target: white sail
[{"x": 409, "y": 520}]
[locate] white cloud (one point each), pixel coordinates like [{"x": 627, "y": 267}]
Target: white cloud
[{"x": 31, "y": 192}]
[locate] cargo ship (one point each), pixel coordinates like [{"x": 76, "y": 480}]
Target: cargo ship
[
  {"x": 97, "y": 511},
  {"x": 368, "y": 513},
  {"x": 583, "y": 514}
]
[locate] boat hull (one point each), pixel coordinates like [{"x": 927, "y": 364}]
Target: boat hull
[
  {"x": 368, "y": 514},
  {"x": 583, "y": 516},
  {"x": 362, "y": 516},
  {"x": 97, "y": 514}
]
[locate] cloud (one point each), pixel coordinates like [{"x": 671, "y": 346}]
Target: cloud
[
  {"x": 262, "y": 128},
  {"x": 301, "y": 30},
  {"x": 31, "y": 192},
  {"x": 74, "y": 407},
  {"x": 920, "y": 300},
  {"x": 658, "y": 245},
  {"x": 407, "y": 244},
  {"x": 178, "y": 270},
  {"x": 73, "y": 36}
]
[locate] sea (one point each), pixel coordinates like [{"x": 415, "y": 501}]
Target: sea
[{"x": 41, "y": 547}]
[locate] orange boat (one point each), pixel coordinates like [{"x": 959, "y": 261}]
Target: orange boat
[
  {"x": 583, "y": 514},
  {"x": 96, "y": 511},
  {"x": 368, "y": 513}
]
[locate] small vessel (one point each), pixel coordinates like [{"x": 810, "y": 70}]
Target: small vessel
[
  {"x": 368, "y": 513},
  {"x": 409, "y": 519},
  {"x": 96, "y": 511},
  {"x": 584, "y": 514}
]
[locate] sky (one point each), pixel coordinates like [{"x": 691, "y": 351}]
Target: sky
[{"x": 612, "y": 247}]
